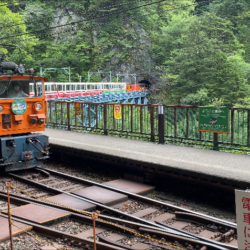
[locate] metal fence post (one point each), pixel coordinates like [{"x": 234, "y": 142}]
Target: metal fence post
[
  {"x": 105, "y": 119},
  {"x": 175, "y": 122},
  {"x": 122, "y": 117},
  {"x": 216, "y": 141},
  {"x": 232, "y": 126},
  {"x": 161, "y": 124},
  {"x": 113, "y": 117},
  {"x": 68, "y": 115},
  {"x": 132, "y": 118},
  {"x": 141, "y": 119},
  {"x": 89, "y": 115},
  {"x": 96, "y": 114},
  {"x": 187, "y": 123},
  {"x": 152, "y": 123},
  {"x": 248, "y": 128}
]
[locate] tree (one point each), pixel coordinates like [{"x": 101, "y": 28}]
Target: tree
[
  {"x": 238, "y": 12},
  {"x": 205, "y": 62},
  {"x": 13, "y": 31}
]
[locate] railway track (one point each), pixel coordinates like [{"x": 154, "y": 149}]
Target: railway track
[
  {"x": 162, "y": 217},
  {"x": 55, "y": 239},
  {"x": 109, "y": 233}
]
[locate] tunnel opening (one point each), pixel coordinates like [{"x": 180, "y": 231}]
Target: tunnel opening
[{"x": 146, "y": 82}]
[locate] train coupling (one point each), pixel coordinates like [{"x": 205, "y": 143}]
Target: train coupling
[{"x": 33, "y": 141}]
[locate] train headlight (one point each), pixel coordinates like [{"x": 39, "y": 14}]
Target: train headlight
[
  {"x": 38, "y": 106},
  {"x": 41, "y": 121},
  {"x": 1, "y": 109}
]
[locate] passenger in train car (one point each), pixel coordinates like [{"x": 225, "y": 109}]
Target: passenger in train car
[{"x": 16, "y": 91}]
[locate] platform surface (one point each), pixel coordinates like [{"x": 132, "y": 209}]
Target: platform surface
[
  {"x": 130, "y": 186},
  {"x": 212, "y": 163},
  {"x": 72, "y": 202},
  {"x": 4, "y": 228},
  {"x": 36, "y": 213},
  {"x": 101, "y": 195}
]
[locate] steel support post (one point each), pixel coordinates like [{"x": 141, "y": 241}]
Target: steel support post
[
  {"x": 216, "y": 141},
  {"x": 8, "y": 185},
  {"x": 161, "y": 124},
  {"x": 94, "y": 217}
]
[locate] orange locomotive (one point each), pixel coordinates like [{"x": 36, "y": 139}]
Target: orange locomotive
[
  {"x": 136, "y": 87},
  {"x": 22, "y": 112}
]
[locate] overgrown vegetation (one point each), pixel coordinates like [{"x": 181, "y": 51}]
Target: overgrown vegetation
[{"x": 196, "y": 55}]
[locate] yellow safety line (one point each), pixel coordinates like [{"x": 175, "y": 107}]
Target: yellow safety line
[{"x": 89, "y": 214}]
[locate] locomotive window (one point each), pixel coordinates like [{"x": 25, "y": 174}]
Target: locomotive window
[{"x": 21, "y": 89}]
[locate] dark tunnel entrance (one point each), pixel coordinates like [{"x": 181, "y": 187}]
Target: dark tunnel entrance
[{"x": 145, "y": 82}]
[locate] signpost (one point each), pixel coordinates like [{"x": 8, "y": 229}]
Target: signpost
[
  {"x": 242, "y": 200},
  {"x": 117, "y": 111},
  {"x": 214, "y": 120},
  {"x": 77, "y": 108}
]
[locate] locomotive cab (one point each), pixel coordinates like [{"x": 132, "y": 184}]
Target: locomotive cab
[{"x": 22, "y": 112}]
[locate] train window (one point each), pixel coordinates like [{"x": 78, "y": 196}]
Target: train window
[
  {"x": 59, "y": 87},
  {"x": 31, "y": 87},
  {"x": 39, "y": 89},
  {"x": 21, "y": 89}
]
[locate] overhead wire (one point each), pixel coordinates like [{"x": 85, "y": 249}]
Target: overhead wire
[
  {"x": 124, "y": 19},
  {"x": 82, "y": 12},
  {"x": 85, "y": 20},
  {"x": 107, "y": 23}
]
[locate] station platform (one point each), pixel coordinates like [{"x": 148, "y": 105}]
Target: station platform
[{"x": 218, "y": 168}]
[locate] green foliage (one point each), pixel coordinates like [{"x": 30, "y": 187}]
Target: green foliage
[
  {"x": 12, "y": 25},
  {"x": 238, "y": 12},
  {"x": 204, "y": 61},
  {"x": 199, "y": 54}
]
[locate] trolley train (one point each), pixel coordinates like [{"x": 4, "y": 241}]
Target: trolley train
[
  {"x": 21, "y": 114},
  {"x": 56, "y": 90}
]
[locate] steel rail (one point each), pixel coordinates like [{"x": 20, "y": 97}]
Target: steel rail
[
  {"x": 163, "y": 227},
  {"x": 223, "y": 245},
  {"x": 140, "y": 197},
  {"x": 76, "y": 216},
  {"x": 208, "y": 244},
  {"x": 58, "y": 234},
  {"x": 120, "y": 213},
  {"x": 128, "y": 224}
]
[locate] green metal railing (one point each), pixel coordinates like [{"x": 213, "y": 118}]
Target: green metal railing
[{"x": 141, "y": 122}]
